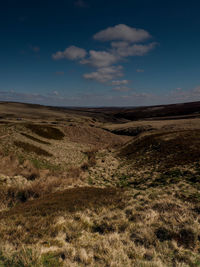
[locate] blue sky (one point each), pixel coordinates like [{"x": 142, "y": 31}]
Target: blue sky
[{"x": 100, "y": 53}]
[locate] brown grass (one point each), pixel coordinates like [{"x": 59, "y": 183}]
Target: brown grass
[
  {"x": 36, "y": 187},
  {"x": 48, "y": 132},
  {"x": 93, "y": 136},
  {"x": 35, "y": 139},
  {"x": 32, "y": 148},
  {"x": 52, "y": 218},
  {"x": 131, "y": 131},
  {"x": 68, "y": 200},
  {"x": 165, "y": 150},
  {"x": 106, "y": 227},
  {"x": 91, "y": 155}
]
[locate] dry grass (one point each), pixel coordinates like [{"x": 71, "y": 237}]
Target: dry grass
[
  {"x": 48, "y": 132},
  {"x": 165, "y": 149},
  {"x": 100, "y": 227},
  {"x": 35, "y": 139},
  {"x": 36, "y": 185},
  {"x": 131, "y": 131},
  {"x": 68, "y": 200},
  {"x": 50, "y": 216},
  {"x": 94, "y": 136},
  {"x": 91, "y": 162},
  {"x": 27, "y": 147}
]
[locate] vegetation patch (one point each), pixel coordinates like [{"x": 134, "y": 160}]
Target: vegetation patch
[
  {"x": 132, "y": 131},
  {"x": 35, "y": 139},
  {"x": 164, "y": 150},
  {"x": 171, "y": 177},
  {"x": 34, "y": 220},
  {"x": 48, "y": 132},
  {"x": 32, "y": 149},
  {"x": 44, "y": 164},
  {"x": 12, "y": 195},
  {"x": 193, "y": 197},
  {"x": 27, "y": 257},
  {"x": 91, "y": 155},
  {"x": 67, "y": 200},
  {"x": 124, "y": 180}
]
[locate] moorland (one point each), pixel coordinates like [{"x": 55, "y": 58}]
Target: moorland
[{"x": 99, "y": 186}]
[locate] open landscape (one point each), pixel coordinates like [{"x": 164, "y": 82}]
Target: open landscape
[
  {"x": 99, "y": 133},
  {"x": 99, "y": 187}
]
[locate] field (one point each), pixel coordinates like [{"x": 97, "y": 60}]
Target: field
[{"x": 99, "y": 187}]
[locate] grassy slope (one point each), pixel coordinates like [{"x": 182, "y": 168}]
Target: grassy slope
[{"x": 136, "y": 203}]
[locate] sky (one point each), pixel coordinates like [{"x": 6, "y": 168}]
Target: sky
[{"x": 100, "y": 53}]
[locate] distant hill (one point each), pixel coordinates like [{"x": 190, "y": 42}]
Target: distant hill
[{"x": 114, "y": 114}]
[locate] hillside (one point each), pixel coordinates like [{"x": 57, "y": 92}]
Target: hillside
[{"x": 99, "y": 187}]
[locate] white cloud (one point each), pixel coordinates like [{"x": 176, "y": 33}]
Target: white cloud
[
  {"x": 181, "y": 95},
  {"x": 72, "y": 53},
  {"x": 196, "y": 91},
  {"x": 124, "y": 49},
  {"x": 55, "y": 93},
  {"x": 105, "y": 74},
  {"x": 100, "y": 59},
  {"x": 119, "y": 44},
  {"x": 120, "y": 50},
  {"x": 142, "y": 95},
  {"x": 122, "y": 32},
  {"x": 121, "y": 89},
  {"x": 122, "y": 39},
  {"x": 119, "y": 82}
]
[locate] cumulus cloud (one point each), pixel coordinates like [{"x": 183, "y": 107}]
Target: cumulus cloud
[
  {"x": 196, "y": 91},
  {"x": 105, "y": 74},
  {"x": 122, "y": 32},
  {"x": 55, "y": 93},
  {"x": 180, "y": 95},
  {"x": 124, "y": 43},
  {"x": 119, "y": 44},
  {"x": 121, "y": 89},
  {"x": 100, "y": 59},
  {"x": 72, "y": 53},
  {"x": 120, "y": 82},
  {"x": 124, "y": 49}
]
